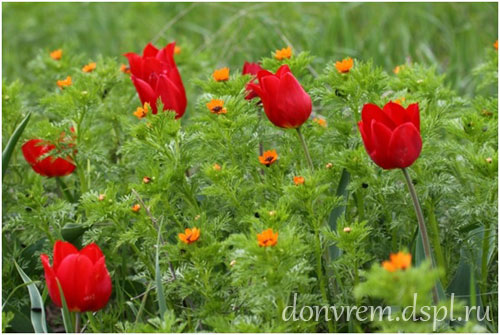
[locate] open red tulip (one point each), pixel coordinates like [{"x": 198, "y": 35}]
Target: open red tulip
[
  {"x": 49, "y": 166},
  {"x": 83, "y": 277},
  {"x": 155, "y": 75},
  {"x": 391, "y": 135},
  {"x": 285, "y": 102}
]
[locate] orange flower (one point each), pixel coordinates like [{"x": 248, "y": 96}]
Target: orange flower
[
  {"x": 329, "y": 165},
  {"x": 495, "y": 45},
  {"x": 345, "y": 65},
  {"x": 283, "y": 53},
  {"x": 398, "y": 68},
  {"x": 268, "y": 157},
  {"x": 141, "y": 112},
  {"x": 101, "y": 197},
  {"x": 136, "y": 208},
  {"x": 216, "y": 167},
  {"x": 125, "y": 69},
  {"x": 399, "y": 261},
  {"x": 267, "y": 238},
  {"x": 298, "y": 180},
  {"x": 320, "y": 121},
  {"x": 56, "y": 54},
  {"x": 177, "y": 50},
  {"x": 65, "y": 82},
  {"x": 146, "y": 180},
  {"x": 221, "y": 74},
  {"x": 216, "y": 106},
  {"x": 190, "y": 235},
  {"x": 89, "y": 67},
  {"x": 400, "y": 101}
]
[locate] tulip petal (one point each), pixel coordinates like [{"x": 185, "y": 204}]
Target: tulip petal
[
  {"x": 373, "y": 112},
  {"x": 146, "y": 93},
  {"x": 50, "y": 278},
  {"x": 366, "y": 140},
  {"x": 293, "y": 102},
  {"x": 75, "y": 275},
  {"x": 282, "y": 70},
  {"x": 414, "y": 115},
  {"x": 93, "y": 252},
  {"x": 101, "y": 286},
  {"x": 270, "y": 85},
  {"x": 381, "y": 136},
  {"x": 169, "y": 95},
  {"x": 396, "y": 113},
  {"x": 149, "y": 51},
  {"x": 135, "y": 64},
  {"x": 405, "y": 145},
  {"x": 62, "y": 250}
]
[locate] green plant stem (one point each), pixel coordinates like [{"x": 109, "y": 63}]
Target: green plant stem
[
  {"x": 306, "y": 149},
  {"x": 78, "y": 322},
  {"x": 64, "y": 189},
  {"x": 484, "y": 261},
  {"x": 436, "y": 243},
  {"x": 321, "y": 277},
  {"x": 423, "y": 229}
]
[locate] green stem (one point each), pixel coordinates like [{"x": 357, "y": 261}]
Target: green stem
[
  {"x": 321, "y": 278},
  {"x": 78, "y": 319},
  {"x": 306, "y": 150},
  {"x": 484, "y": 261},
  {"x": 436, "y": 243},
  {"x": 423, "y": 229},
  {"x": 64, "y": 189},
  {"x": 81, "y": 175}
]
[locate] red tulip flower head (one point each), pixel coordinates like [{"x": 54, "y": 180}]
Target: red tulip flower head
[
  {"x": 285, "y": 102},
  {"x": 49, "y": 166},
  {"x": 155, "y": 75},
  {"x": 391, "y": 135},
  {"x": 83, "y": 277},
  {"x": 253, "y": 69}
]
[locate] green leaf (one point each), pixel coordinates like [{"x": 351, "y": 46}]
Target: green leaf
[
  {"x": 9, "y": 148},
  {"x": 37, "y": 307},
  {"x": 68, "y": 323},
  {"x": 338, "y": 211},
  {"x": 71, "y": 232},
  {"x": 159, "y": 288}
]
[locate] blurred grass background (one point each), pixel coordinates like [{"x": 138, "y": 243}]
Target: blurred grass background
[{"x": 449, "y": 35}]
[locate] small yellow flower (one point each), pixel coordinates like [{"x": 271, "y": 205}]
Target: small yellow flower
[
  {"x": 489, "y": 160},
  {"x": 320, "y": 121},
  {"x": 399, "y": 261},
  {"x": 221, "y": 74},
  {"x": 284, "y": 53},
  {"x": 101, "y": 197},
  {"x": 146, "y": 180},
  {"x": 267, "y": 238},
  {"x": 56, "y": 54},
  {"x": 345, "y": 65},
  {"x": 268, "y": 157},
  {"x": 272, "y": 213},
  {"x": 298, "y": 180},
  {"x": 398, "y": 68},
  {"x": 216, "y": 106},
  {"x": 64, "y": 82},
  {"x": 136, "y": 208},
  {"x": 329, "y": 165},
  {"x": 141, "y": 112},
  {"x": 177, "y": 50},
  {"x": 400, "y": 101},
  {"x": 495, "y": 45},
  {"x": 347, "y": 230},
  {"x": 216, "y": 167},
  {"x": 89, "y": 67}
]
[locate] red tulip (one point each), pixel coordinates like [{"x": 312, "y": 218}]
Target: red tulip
[
  {"x": 34, "y": 149},
  {"x": 392, "y": 135},
  {"x": 253, "y": 69},
  {"x": 285, "y": 102},
  {"x": 155, "y": 75},
  {"x": 83, "y": 277}
]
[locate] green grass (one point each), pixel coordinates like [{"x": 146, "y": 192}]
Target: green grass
[{"x": 446, "y": 34}]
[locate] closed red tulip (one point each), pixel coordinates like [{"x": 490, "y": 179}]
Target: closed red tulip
[
  {"x": 49, "y": 166},
  {"x": 285, "y": 102},
  {"x": 155, "y": 75},
  {"x": 253, "y": 69},
  {"x": 391, "y": 135},
  {"x": 83, "y": 277}
]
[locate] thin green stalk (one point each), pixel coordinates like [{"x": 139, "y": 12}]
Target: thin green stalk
[
  {"x": 484, "y": 261},
  {"x": 306, "y": 150},
  {"x": 321, "y": 277},
  {"x": 64, "y": 190},
  {"x": 423, "y": 229},
  {"x": 78, "y": 322},
  {"x": 436, "y": 243}
]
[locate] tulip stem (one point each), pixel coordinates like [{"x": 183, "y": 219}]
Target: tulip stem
[
  {"x": 306, "y": 149},
  {"x": 78, "y": 319},
  {"x": 423, "y": 229},
  {"x": 64, "y": 189}
]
